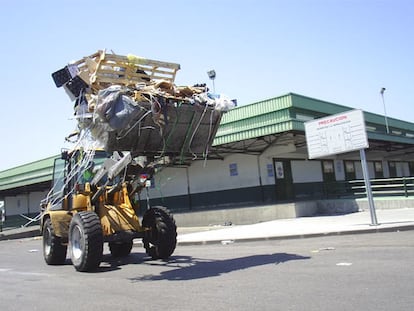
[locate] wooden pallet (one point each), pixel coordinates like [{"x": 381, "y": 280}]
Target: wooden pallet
[{"x": 102, "y": 69}]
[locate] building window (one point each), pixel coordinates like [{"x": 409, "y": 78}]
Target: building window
[
  {"x": 350, "y": 170},
  {"x": 349, "y": 167},
  {"x": 379, "y": 173},
  {"x": 328, "y": 167},
  {"x": 328, "y": 170},
  {"x": 392, "y": 167}
]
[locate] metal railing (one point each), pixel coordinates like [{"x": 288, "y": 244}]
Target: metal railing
[
  {"x": 353, "y": 189},
  {"x": 402, "y": 186}
]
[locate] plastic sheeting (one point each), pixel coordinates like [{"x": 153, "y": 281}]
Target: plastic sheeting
[{"x": 158, "y": 126}]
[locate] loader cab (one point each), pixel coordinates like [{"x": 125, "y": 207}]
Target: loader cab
[
  {"x": 58, "y": 184},
  {"x": 70, "y": 170}
]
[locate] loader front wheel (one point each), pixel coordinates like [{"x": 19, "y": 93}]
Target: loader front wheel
[
  {"x": 54, "y": 251},
  {"x": 85, "y": 241},
  {"x": 120, "y": 249},
  {"x": 160, "y": 236}
]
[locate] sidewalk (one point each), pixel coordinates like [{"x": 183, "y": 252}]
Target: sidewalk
[
  {"x": 355, "y": 223},
  {"x": 389, "y": 220}
]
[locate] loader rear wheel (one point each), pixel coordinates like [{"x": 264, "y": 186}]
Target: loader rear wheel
[
  {"x": 85, "y": 241},
  {"x": 161, "y": 237},
  {"x": 120, "y": 249},
  {"x": 54, "y": 251}
]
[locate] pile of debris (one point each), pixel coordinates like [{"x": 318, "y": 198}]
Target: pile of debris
[{"x": 129, "y": 103}]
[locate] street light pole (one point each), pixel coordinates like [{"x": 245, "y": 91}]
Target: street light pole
[{"x": 385, "y": 110}]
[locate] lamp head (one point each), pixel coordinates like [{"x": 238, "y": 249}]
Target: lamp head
[{"x": 211, "y": 74}]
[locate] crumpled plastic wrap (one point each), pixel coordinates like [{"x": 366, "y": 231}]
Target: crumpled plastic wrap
[{"x": 115, "y": 107}]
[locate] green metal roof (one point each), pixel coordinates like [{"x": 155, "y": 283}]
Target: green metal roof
[
  {"x": 255, "y": 120},
  {"x": 327, "y": 108},
  {"x": 268, "y": 117},
  {"x": 258, "y": 108},
  {"x": 316, "y": 105},
  {"x": 279, "y": 114},
  {"x": 27, "y": 174}
]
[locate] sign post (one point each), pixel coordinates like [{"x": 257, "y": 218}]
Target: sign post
[
  {"x": 374, "y": 221},
  {"x": 341, "y": 133}
]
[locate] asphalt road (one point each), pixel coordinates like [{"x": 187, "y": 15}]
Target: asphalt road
[{"x": 354, "y": 272}]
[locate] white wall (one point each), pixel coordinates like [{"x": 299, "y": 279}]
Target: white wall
[
  {"x": 170, "y": 181},
  {"x": 16, "y": 205},
  {"x": 23, "y": 203},
  {"x": 215, "y": 175},
  {"x": 306, "y": 171},
  {"x": 34, "y": 199}
]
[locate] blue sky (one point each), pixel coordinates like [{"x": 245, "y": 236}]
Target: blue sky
[{"x": 338, "y": 51}]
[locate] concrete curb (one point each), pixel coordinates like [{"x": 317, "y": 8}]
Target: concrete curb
[
  {"x": 4, "y": 236},
  {"x": 35, "y": 233},
  {"x": 298, "y": 236}
]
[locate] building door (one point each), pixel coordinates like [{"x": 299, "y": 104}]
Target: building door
[
  {"x": 329, "y": 181},
  {"x": 379, "y": 172},
  {"x": 328, "y": 171},
  {"x": 350, "y": 170},
  {"x": 283, "y": 180},
  {"x": 392, "y": 168}
]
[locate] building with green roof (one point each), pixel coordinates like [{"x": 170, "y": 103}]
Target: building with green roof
[{"x": 259, "y": 156}]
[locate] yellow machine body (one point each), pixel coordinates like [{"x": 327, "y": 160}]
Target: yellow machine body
[
  {"x": 118, "y": 214},
  {"x": 115, "y": 211}
]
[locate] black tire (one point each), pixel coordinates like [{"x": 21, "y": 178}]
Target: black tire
[
  {"x": 85, "y": 241},
  {"x": 120, "y": 249},
  {"x": 161, "y": 238},
  {"x": 54, "y": 251}
]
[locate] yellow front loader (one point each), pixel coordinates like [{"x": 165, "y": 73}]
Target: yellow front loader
[
  {"x": 92, "y": 202},
  {"x": 130, "y": 107}
]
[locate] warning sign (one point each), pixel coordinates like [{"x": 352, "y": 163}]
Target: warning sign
[{"x": 335, "y": 134}]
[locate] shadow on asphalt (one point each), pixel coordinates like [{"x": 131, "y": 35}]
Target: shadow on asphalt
[
  {"x": 110, "y": 263},
  {"x": 189, "y": 268}
]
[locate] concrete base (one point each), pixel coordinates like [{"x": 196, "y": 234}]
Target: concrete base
[
  {"x": 340, "y": 206},
  {"x": 256, "y": 214},
  {"x": 386, "y": 203},
  {"x": 246, "y": 215}
]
